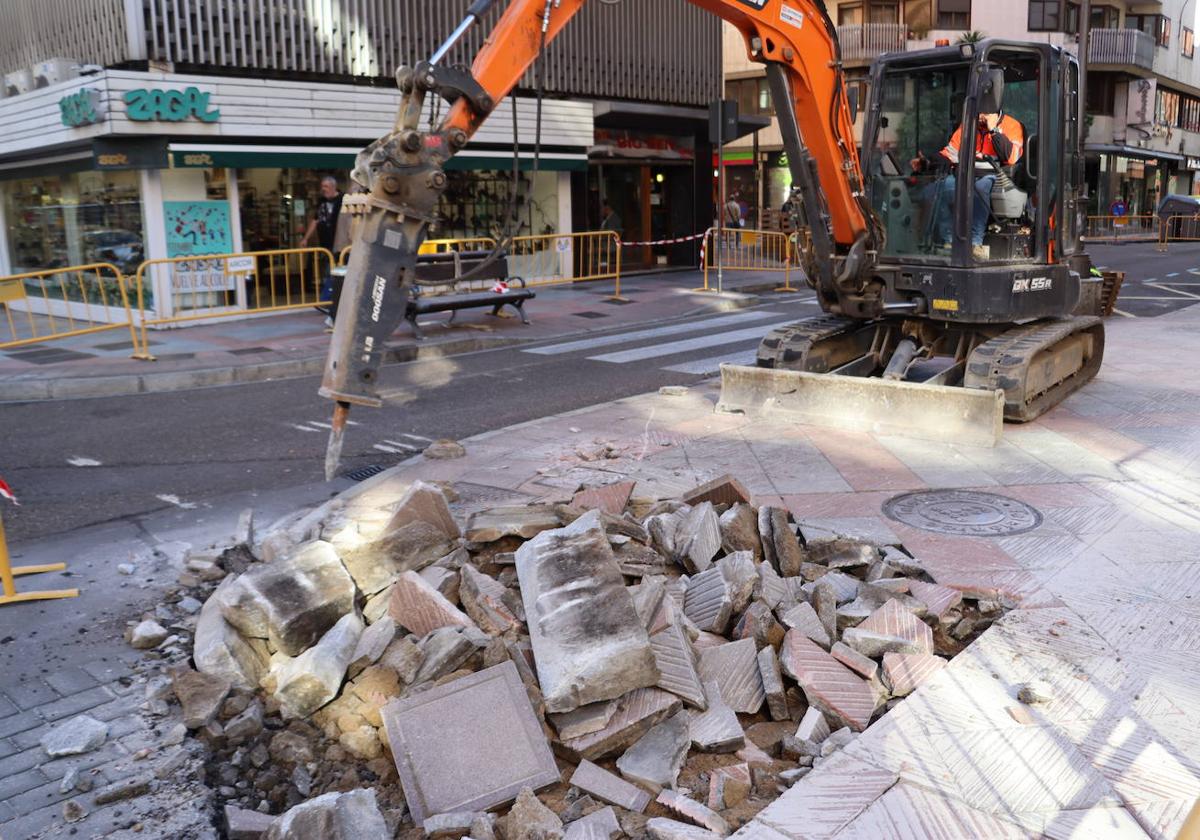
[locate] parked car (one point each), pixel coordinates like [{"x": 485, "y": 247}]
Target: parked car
[{"x": 1181, "y": 210}]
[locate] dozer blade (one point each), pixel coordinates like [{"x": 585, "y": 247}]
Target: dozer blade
[{"x": 910, "y": 409}]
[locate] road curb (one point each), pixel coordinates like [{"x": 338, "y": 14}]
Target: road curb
[{"x": 86, "y": 387}]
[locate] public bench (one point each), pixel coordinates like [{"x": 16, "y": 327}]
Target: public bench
[{"x": 439, "y": 289}]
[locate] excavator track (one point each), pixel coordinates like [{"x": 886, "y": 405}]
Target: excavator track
[
  {"x": 1038, "y": 365},
  {"x": 836, "y": 341}
]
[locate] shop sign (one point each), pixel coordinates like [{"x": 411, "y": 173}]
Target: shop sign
[
  {"x": 638, "y": 144},
  {"x": 1139, "y": 103},
  {"x": 149, "y": 104},
  {"x": 240, "y": 265},
  {"x": 82, "y": 108},
  {"x": 197, "y": 228},
  {"x": 201, "y": 275},
  {"x": 129, "y": 152}
]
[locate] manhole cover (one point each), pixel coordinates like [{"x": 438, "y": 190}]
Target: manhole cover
[{"x": 963, "y": 512}]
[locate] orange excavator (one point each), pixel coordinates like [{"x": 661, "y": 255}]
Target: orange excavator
[{"x": 947, "y": 279}]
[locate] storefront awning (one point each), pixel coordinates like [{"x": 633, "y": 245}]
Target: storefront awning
[
  {"x": 206, "y": 155},
  {"x": 1130, "y": 151}
]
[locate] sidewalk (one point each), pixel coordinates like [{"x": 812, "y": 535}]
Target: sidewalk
[{"x": 294, "y": 343}]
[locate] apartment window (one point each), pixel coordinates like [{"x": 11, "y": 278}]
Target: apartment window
[
  {"x": 850, "y": 15},
  {"x": 752, "y": 95},
  {"x": 954, "y": 14},
  {"x": 1164, "y": 31},
  {"x": 1166, "y": 108},
  {"x": 1185, "y": 42},
  {"x": 1189, "y": 114},
  {"x": 1102, "y": 17},
  {"x": 1101, "y": 94},
  {"x": 1157, "y": 27},
  {"x": 853, "y": 15},
  {"x": 1045, "y": 16}
]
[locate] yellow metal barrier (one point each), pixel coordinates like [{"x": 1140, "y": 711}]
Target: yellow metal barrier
[
  {"x": 8, "y": 589},
  {"x": 224, "y": 285},
  {"x": 439, "y": 246},
  {"x": 738, "y": 249},
  {"x": 1178, "y": 229},
  {"x": 1140, "y": 228},
  {"x": 57, "y": 303}
]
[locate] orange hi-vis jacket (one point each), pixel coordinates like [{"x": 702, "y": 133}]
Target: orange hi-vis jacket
[{"x": 1010, "y": 128}]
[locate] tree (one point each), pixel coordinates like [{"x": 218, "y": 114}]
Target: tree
[{"x": 972, "y": 37}]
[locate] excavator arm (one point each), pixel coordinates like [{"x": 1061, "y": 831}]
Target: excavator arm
[{"x": 403, "y": 171}]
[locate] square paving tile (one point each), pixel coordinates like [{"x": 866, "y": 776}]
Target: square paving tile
[{"x": 468, "y": 745}]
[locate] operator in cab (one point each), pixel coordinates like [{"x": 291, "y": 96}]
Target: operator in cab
[{"x": 998, "y": 137}]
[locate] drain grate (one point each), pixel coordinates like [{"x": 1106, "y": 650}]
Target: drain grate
[
  {"x": 966, "y": 513},
  {"x": 591, "y": 314},
  {"x": 363, "y": 473}
]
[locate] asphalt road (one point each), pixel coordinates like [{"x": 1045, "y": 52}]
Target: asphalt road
[
  {"x": 82, "y": 462},
  {"x": 1155, "y": 282}
]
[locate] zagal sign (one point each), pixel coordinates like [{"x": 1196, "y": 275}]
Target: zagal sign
[{"x": 146, "y": 105}]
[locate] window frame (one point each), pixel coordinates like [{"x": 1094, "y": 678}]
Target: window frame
[
  {"x": 1187, "y": 42},
  {"x": 961, "y": 19},
  {"x": 1044, "y": 6}
]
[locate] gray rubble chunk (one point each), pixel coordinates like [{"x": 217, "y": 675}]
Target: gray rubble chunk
[
  {"x": 450, "y": 826},
  {"x": 529, "y": 819},
  {"x": 844, "y": 586},
  {"x": 442, "y": 579},
  {"x": 742, "y": 576},
  {"x": 598, "y": 825},
  {"x": 608, "y": 787},
  {"x": 841, "y": 553},
  {"x": 148, "y": 634},
  {"x": 758, "y": 623},
  {"x": 243, "y": 824},
  {"x": 442, "y": 651},
  {"x": 661, "y": 828},
  {"x": 371, "y": 645},
  {"x": 654, "y": 761},
  {"x": 246, "y": 724},
  {"x": 427, "y": 503},
  {"x": 647, "y": 601},
  {"x": 716, "y": 730},
  {"x": 124, "y": 789},
  {"x": 699, "y": 537},
  {"x": 678, "y": 668},
  {"x": 824, "y": 601},
  {"x": 739, "y": 531},
  {"x": 874, "y": 645},
  {"x": 410, "y": 547},
  {"x": 588, "y": 641},
  {"x": 803, "y": 618},
  {"x": 585, "y": 720},
  {"x": 854, "y": 660},
  {"x": 293, "y": 601},
  {"x": 772, "y": 589},
  {"x": 734, "y": 667},
  {"x": 201, "y": 695},
  {"x": 483, "y": 597},
  {"x": 404, "y": 657},
  {"x": 312, "y": 679},
  {"x": 772, "y": 680},
  {"x": 694, "y": 811},
  {"x": 524, "y": 521},
  {"x": 636, "y": 713},
  {"x": 78, "y": 735},
  {"x": 707, "y": 602},
  {"x": 333, "y": 816},
  {"x": 781, "y": 546}
]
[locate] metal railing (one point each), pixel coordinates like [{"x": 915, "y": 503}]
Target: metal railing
[
  {"x": 1178, "y": 229},
  {"x": 1140, "y": 228},
  {"x": 56, "y": 303},
  {"x": 224, "y": 285},
  {"x": 862, "y": 41},
  {"x": 439, "y": 246},
  {"x": 1121, "y": 46},
  {"x": 749, "y": 250}
]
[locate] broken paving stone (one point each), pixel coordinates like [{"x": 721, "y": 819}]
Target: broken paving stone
[
  {"x": 728, "y": 786},
  {"x": 904, "y": 672},
  {"x": 647, "y": 602},
  {"x": 371, "y": 645},
  {"x": 707, "y": 602},
  {"x": 937, "y": 598},
  {"x": 427, "y": 503},
  {"x": 661, "y": 828},
  {"x": 122, "y": 790},
  {"x": 781, "y": 546},
  {"x": 610, "y": 788},
  {"x": 598, "y": 825},
  {"x": 636, "y": 713},
  {"x": 442, "y": 652},
  {"x": 758, "y": 623},
  {"x": 403, "y": 657},
  {"x": 220, "y": 651},
  {"x": 772, "y": 680},
  {"x": 585, "y": 720},
  {"x": 772, "y": 589},
  {"x": 854, "y": 660},
  {"x": 717, "y": 729},
  {"x": 836, "y": 741},
  {"x": 813, "y": 726},
  {"x": 803, "y": 618},
  {"x": 588, "y": 641},
  {"x": 78, "y": 735},
  {"x": 421, "y": 609},
  {"x": 333, "y": 816},
  {"x": 874, "y": 645},
  {"x": 148, "y": 634},
  {"x": 447, "y": 752},
  {"x": 529, "y": 819},
  {"x": 892, "y": 619},
  {"x": 739, "y": 531},
  {"x": 307, "y": 682},
  {"x": 655, "y": 759},
  {"x": 483, "y": 597},
  {"x": 698, "y": 538},
  {"x": 201, "y": 695},
  {"x": 824, "y": 601},
  {"x": 243, "y": 824},
  {"x": 293, "y": 601},
  {"x": 724, "y": 490},
  {"x": 443, "y": 580},
  {"x": 692, "y": 810},
  {"x": 678, "y": 669},
  {"x": 375, "y": 564},
  {"x": 524, "y": 521},
  {"x": 844, "y": 586},
  {"x": 841, "y": 553},
  {"x": 450, "y": 826},
  {"x": 742, "y": 576},
  {"x": 734, "y": 667},
  {"x": 611, "y": 498},
  {"x": 830, "y": 686},
  {"x": 444, "y": 449}
]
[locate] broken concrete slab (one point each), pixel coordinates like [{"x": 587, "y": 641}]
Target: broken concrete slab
[
  {"x": 446, "y": 750},
  {"x": 442, "y": 651},
  {"x": 678, "y": 668},
  {"x": 855, "y": 661},
  {"x": 371, "y": 645},
  {"x": 708, "y": 602},
  {"x": 201, "y": 695},
  {"x": 874, "y": 645},
  {"x": 772, "y": 680},
  {"x": 610, "y": 788},
  {"x": 80, "y": 734},
  {"x": 742, "y": 575},
  {"x": 655, "y": 759},
  {"x": 220, "y": 651},
  {"x": 758, "y": 623},
  {"x": 828, "y": 685},
  {"x": 772, "y": 590},
  {"x": 892, "y": 619},
  {"x": 610, "y": 498},
  {"x": 293, "y": 601},
  {"x": 734, "y": 667},
  {"x": 421, "y": 609},
  {"x": 524, "y": 521},
  {"x": 698, "y": 538},
  {"x": 333, "y": 816},
  {"x": 717, "y": 729},
  {"x": 692, "y": 810},
  {"x": 723, "y": 490},
  {"x": 803, "y": 618},
  {"x": 484, "y": 599},
  {"x": 375, "y": 563},
  {"x": 739, "y": 531},
  {"x": 937, "y": 598},
  {"x": 307, "y": 682},
  {"x": 636, "y": 713},
  {"x": 426, "y": 503},
  {"x": 781, "y": 546},
  {"x": 661, "y": 828},
  {"x": 588, "y": 641},
  {"x": 585, "y": 720},
  {"x": 598, "y": 825},
  {"x": 903, "y": 673},
  {"x": 529, "y": 819}
]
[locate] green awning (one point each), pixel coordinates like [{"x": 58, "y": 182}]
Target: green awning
[{"x": 188, "y": 155}]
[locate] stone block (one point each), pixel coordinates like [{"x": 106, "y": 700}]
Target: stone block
[
  {"x": 484, "y": 599},
  {"x": 661, "y": 828},
  {"x": 903, "y": 673},
  {"x": 78, "y": 735},
  {"x": 443, "y": 579},
  {"x": 708, "y": 602},
  {"x": 610, "y": 788},
  {"x": 875, "y": 645},
  {"x": 717, "y": 729},
  {"x": 772, "y": 590},
  {"x": 693, "y": 811},
  {"x": 426, "y": 503},
  {"x": 655, "y": 759},
  {"x": 803, "y": 618},
  {"x": 742, "y": 575},
  {"x": 845, "y": 587},
  {"x": 585, "y": 720},
  {"x": 307, "y": 682},
  {"x": 468, "y": 745},
  {"x": 442, "y": 652},
  {"x": 404, "y": 657},
  {"x": 529, "y": 819},
  {"x": 421, "y": 609},
  {"x": 243, "y": 824},
  {"x": 781, "y": 546},
  {"x": 371, "y": 645},
  {"x": 611, "y": 498},
  {"x": 598, "y": 825},
  {"x": 841, "y": 553},
  {"x": 824, "y": 601},
  {"x": 728, "y": 786},
  {"x": 220, "y": 651},
  {"x": 524, "y": 521},
  {"x": 828, "y": 685},
  {"x": 734, "y": 667},
  {"x": 813, "y": 726},
  {"x": 723, "y": 490},
  {"x": 375, "y": 564},
  {"x": 855, "y": 661},
  {"x": 333, "y": 816},
  {"x": 636, "y": 713},
  {"x": 588, "y": 641},
  {"x": 758, "y": 623},
  {"x": 892, "y": 619},
  {"x": 699, "y": 538},
  {"x": 772, "y": 680},
  {"x": 938, "y": 599},
  {"x": 677, "y": 664},
  {"x": 739, "y": 531},
  {"x": 293, "y": 601},
  {"x": 201, "y": 695},
  {"x": 648, "y": 597}
]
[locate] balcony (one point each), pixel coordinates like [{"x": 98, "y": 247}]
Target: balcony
[
  {"x": 1121, "y": 46},
  {"x": 866, "y": 41}
]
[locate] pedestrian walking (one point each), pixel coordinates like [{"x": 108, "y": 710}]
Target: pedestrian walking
[{"x": 323, "y": 226}]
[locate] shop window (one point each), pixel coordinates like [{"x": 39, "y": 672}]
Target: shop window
[
  {"x": 1185, "y": 43},
  {"x": 65, "y": 220},
  {"x": 276, "y": 205},
  {"x": 475, "y": 203},
  {"x": 954, "y": 14}
]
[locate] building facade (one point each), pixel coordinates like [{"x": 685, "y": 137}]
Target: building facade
[
  {"x": 1143, "y": 84},
  {"x": 122, "y": 122}
]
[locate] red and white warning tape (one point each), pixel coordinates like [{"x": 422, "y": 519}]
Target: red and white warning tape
[{"x": 674, "y": 241}]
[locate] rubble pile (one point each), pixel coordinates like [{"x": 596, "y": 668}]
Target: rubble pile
[{"x": 613, "y": 666}]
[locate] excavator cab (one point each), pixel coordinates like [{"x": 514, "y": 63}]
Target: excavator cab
[{"x": 960, "y": 227}]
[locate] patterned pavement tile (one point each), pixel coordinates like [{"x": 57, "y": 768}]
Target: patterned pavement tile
[
  {"x": 820, "y": 804},
  {"x": 1043, "y": 550},
  {"x": 1162, "y": 819},
  {"x": 1138, "y": 764},
  {"x": 864, "y": 463},
  {"x": 1102, "y": 823},
  {"x": 836, "y": 504},
  {"x": 906, "y": 812}
]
